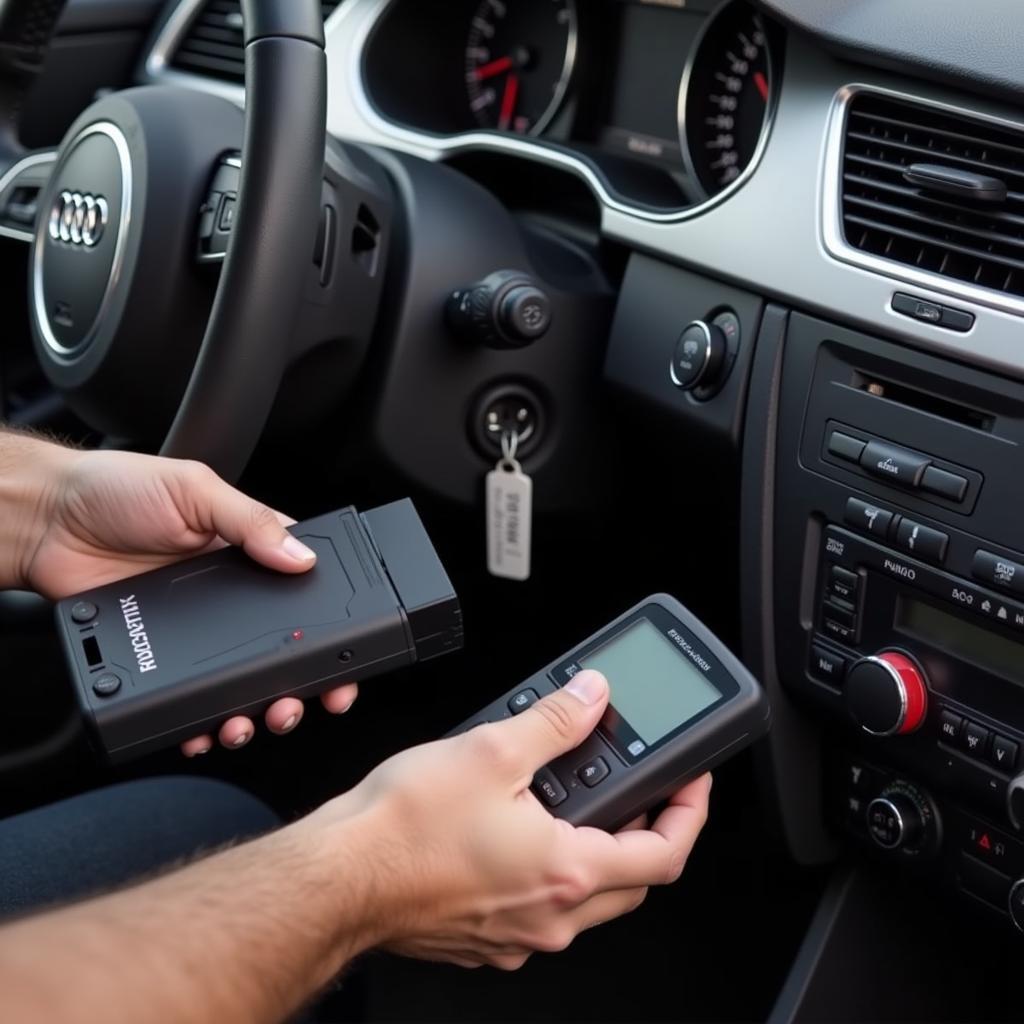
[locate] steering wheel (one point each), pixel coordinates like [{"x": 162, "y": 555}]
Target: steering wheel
[{"x": 117, "y": 298}]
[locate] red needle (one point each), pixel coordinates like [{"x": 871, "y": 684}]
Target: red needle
[
  {"x": 496, "y": 67},
  {"x": 762, "y": 84},
  {"x": 508, "y": 102}
]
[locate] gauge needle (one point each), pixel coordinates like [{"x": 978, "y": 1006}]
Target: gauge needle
[
  {"x": 496, "y": 67},
  {"x": 508, "y": 102},
  {"x": 762, "y": 84}
]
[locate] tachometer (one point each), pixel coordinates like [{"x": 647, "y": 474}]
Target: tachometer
[
  {"x": 519, "y": 58},
  {"x": 725, "y": 97}
]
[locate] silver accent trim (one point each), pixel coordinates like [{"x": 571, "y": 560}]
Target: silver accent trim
[
  {"x": 832, "y": 223},
  {"x": 1017, "y": 923},
  {"x": 899, "y": 817},
  {"x": 684, "y": 91},
  {"x": 901, "y": 689},
  {"x": 708, "y": 343},
  {"x": 17, "y": 169},
  {"x": 476, "y": 141},
  {"x": 39, "y": 311}
]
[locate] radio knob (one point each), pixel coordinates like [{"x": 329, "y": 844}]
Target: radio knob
[{"x": 887, "y": 694}]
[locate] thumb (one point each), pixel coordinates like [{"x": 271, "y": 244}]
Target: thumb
[
  {"x": 251, "y": 525},
  {"x": 560, "y": 722}
]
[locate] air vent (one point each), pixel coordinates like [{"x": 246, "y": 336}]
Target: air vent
[
  {"x": 213, "y": 45},
  {"x": 978, "y": 239}
]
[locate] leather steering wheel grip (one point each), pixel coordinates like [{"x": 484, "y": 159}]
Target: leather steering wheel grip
[{"x": 245, "y": 349}]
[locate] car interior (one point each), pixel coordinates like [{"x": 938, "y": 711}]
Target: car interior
[{"x": 740, "y": 287}]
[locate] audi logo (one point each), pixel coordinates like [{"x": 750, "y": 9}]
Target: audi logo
[{"x": 79, "y": 218}]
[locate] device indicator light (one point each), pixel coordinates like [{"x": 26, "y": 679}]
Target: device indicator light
[{"x": 297, "y": 634}]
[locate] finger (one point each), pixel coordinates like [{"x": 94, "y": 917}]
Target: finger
[
  {"x": 339, "y": 700},
  {"x": 654, "y": 856},
  {"x": 606, "y": 906},
  {"x": 636, "y": 825},
  {"x": 236, "y": 732},
  {"x": 197, "y": 746},
  {"x": 284, "y": 715},
  {"x": 218, "y": 507},
  {"x": 556, "y": 724}
]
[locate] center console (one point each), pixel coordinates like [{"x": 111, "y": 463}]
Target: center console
[{"x": 898, "y": 600}]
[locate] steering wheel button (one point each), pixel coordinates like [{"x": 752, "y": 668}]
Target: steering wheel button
[
  {"x": 83, "y": 612},
  {"x": 106, "y": 685},
  {"x": 226, "y": 217}
]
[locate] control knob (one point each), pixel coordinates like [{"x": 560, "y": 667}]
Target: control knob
[
  {"x": 1016, "y": 904},
  {"x": 887, "y": 694},
  {"x": 902, "y": 818},
  {"x": 699, "y": 355},
  {"x": 505, "y": 310}
]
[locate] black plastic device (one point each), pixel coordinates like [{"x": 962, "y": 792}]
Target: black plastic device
[
  {"x": 168, "y": 655},
  {"x": 681, "y": 703}
]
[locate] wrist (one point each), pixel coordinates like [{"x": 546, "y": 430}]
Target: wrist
[{"x": 32, "y": 472}]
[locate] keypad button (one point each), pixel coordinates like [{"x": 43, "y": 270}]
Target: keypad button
[
  {"x": 548, "y": 788},
  {"x": 593, "y": 772},
  {"x": 523, "y": 700},
  {"x": 106, "y": 685},
  {"x": 83, "y": 612}
]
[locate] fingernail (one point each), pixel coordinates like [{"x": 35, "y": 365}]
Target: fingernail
[
  {"x": 587, "y": 687},
  {"x": 296, "y": 550},
  {"x": 240, "y": 741},
  {"x": 345, "y": 708},
  {"x": 290, "y": 724},
  {"x": 202, "y": 750}
]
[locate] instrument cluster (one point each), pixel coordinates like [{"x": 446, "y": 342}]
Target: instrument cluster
[{"x": 669, "y": 101}]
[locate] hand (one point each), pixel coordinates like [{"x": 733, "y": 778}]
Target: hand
[
  {"x": 108, "y": 515},
  {"x": 475, "y": 871}
]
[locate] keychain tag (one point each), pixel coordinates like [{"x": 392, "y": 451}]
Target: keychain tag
[{"x": 509, "y": 515}]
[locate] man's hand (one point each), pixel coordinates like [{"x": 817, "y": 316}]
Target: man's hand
[
  {"x": 89, "y": 518},
  {"x": 475, "y": 871}
]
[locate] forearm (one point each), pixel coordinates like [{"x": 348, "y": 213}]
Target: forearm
[
  {"x": 250, "y": 934},
  {"x": 30, "y": 470}
]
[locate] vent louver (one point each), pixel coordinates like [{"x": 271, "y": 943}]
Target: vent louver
[
  {"x": 947, "y": 234},
  {"x": 214, "y": 45}
]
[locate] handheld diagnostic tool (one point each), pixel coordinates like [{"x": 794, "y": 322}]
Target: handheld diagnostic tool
[
  {"x": 171, "y": 654},
  {"x": 681, "y": 703}
]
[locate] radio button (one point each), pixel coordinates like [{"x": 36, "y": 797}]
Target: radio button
[
  {"x": 897, "y": 465},
  {"x": 922, "y": 541},
  {"x": 826, "y": 665},
  {"x": 838, "y": 631},
  {"x": 870, "y": 518},
  {"x": 845, "y": 447},
  {"x": 945, "y": 485},
  {"x": 950, "y": 726},
  {"x": 844, "y": 583},
  {"x": 845, "y": 615},
  {"x": 1003, "y": 753},
  {"x": 974, "y": 739},
  {"x": 1002, "y": 572}
]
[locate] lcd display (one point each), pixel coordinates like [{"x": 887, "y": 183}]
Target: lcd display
[
  {"x": 951, "y": 634},
  {"x": 655, "y": 686}
]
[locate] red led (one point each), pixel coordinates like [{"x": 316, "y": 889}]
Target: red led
[{"x": 297, "y": 634}]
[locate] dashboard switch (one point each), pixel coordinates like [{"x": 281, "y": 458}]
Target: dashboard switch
[
  {"x": 945, "y": 485},
  {"x": 887, "y": 695},
  {"x": 1001, "y": 572},
  {"x": 505, "y": 310},
  {"x": 699, "y": 356},
  {"x": 897, "y": 465},
  {"x": 869, "y": 518},
  {"x": 922, "y": 541},
  {"x": 845, "y": 447}
]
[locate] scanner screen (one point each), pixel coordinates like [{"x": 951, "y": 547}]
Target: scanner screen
[{"x": 656, "y": 688}]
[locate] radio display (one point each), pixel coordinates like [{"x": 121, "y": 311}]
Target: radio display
[{"x": 940, "y": 629}]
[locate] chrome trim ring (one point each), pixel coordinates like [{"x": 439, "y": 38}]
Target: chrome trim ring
[
  {"x": 68, "y": 231},
  {"x": 901, "y": 689},
  {"x": 834, "y": 238},
  {"x": 35, "y": 160},
  {"x": 684, "y": 91},
  {"x": 708, "y": 344}
]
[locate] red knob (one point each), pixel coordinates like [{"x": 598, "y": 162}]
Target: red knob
[{"x": 887, "y": 694}]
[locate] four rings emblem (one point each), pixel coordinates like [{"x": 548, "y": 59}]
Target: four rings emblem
[{"x": 79, "y": 218}]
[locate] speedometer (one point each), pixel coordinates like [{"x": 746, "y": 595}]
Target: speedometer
[
  {"x": 519, "y": 58},
  {"x": 725, "y": 97}
]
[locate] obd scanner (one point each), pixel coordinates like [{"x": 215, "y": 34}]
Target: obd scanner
[
  {"x": 681, "y": 704},
  {"x": 169, "y": 655}
]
